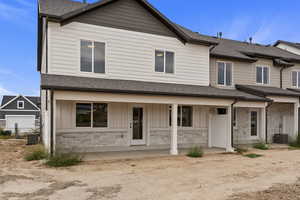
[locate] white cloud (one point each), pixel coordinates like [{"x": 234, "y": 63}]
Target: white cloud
[
  {"x": 238, "y": 29},
  {"x": 4, "y": 91},
  {"x": 10, "y": 12},
  {"x": 264, "y": 33}
]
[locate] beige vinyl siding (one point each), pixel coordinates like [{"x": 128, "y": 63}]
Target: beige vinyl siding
[
  {"x": 287, "y": 76},
  {"x": 118, "y": 116},
  {"x": 244, "y": 73},
  {"x": 129, "y": 54}
]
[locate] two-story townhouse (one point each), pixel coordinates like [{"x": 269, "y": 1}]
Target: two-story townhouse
[
  {"x": 261, "y": 70},
  {"x": 117, "y": 75}
]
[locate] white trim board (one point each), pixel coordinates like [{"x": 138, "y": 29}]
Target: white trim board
[{"x": 14, "y": 110}]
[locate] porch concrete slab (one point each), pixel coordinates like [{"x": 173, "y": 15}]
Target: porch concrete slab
[{"x": 120, "y": 155}]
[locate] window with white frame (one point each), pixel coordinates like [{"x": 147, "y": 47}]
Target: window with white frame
[
  {"x": 262, "y": 75},
  {"x": 164, "y": 61},
  {"x": 92, "y": 56},
  {"x": 296, "y": 79},
  {"x": 20, "y": 104},
  {"x": 224, "y": 73},
  {"x": 184, "y": 116},
  {"x": 92, "y": 115}
]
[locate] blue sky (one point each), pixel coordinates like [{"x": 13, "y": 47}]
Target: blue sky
[{"x": 264, "y": 20}]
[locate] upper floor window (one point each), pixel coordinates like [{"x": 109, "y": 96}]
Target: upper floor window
[
  {"x": 92, "y": 56},
  {"x": 164, "y": 61},
  {"x": 296, "y": 79},
  {"x": 20, "y": 104},
  {"x": 224, "y": 73},
  {"x": 262, "y": 75}
]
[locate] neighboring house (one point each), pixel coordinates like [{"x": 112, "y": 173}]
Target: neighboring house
[
  {"x": 288, "y": 46},
  {"x": 262, "y": 70},
  {"x": 23, "y": 111},
  {"x": 117, "y": 75}
]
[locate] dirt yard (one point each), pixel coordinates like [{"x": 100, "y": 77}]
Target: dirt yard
[{"x": 213, "y": 177}]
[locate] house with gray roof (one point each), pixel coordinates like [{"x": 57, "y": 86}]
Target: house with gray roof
[
  {"x": 263, "y": 70},
  {"x": 118, "y": 75},
  {"x": 293, "y": 47},
  {"x": 20, "y": 111}
]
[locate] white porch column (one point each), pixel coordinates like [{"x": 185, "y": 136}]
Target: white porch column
[
  {"x": 174, "y": 148},
  {"x": 229, "y": 128},
  {"x": 263, "y": 124},
  {"x": 296, "y": 111}
]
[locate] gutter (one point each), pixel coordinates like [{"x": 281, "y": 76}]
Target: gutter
[{"x": 232, "y": 109}]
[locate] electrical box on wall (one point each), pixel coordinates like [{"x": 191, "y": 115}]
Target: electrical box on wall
[{"x": 221, "y": 111}]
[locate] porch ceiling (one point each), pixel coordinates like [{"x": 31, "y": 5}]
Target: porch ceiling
[{"x": 72, "y": 83}]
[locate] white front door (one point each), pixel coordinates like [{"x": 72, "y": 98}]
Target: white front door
[
  {"x": 137, "y": 125},
  {"x": 219, "y": 129}
]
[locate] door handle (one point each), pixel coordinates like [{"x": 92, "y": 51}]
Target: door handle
[{"x": 130, "y": 124}]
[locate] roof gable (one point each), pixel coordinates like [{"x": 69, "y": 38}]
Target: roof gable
[
  {"x": 292, "y": 44},
  {"x": 123, "y": 14},
  {"x": 10, "y": 102}
]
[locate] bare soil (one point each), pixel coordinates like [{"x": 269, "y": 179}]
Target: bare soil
[{"x": 213, "y": 177}]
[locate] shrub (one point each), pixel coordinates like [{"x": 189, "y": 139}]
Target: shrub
[
  {"x": 241, "y": 150},
  {"x": 195, "y": 152},
  {"x": 63, "y": 160},
  {"x": 296, "y": 143},
  {"x": 36, "y": 153},
  {"x": 261, "y": 146},
  {"x": 5, "y": 132},
  {"x": 253, "y": 155}
]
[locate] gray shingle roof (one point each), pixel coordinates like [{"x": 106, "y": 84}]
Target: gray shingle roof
[
  {"x": 292, "y": 44},
  {"x": 65, "y": 9},
  {"x": 33, "y": 99},
  {"x": 245, "y": 50},
  {"x": 60, "y": 82},
  {"x": 59, "y": 7},
  {"x": 267, "y": 91}
]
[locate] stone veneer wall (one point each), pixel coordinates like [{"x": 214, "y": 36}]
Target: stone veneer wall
[
  {"x": 280, "y": 119},
  {"x": 186, "y": 138},
  {"x": 90, "y": 141},
  {"x": 241, "y": 133},
  {"x": 120, "y": 141}
]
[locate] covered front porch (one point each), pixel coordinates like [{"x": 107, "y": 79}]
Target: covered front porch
[
  {"x": 104, "y": 122},
  {"x": 103, "y": 115}
]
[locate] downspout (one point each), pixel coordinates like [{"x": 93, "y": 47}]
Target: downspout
[
  {"x": 281, "y": 70},
  {"x": 267, "y": 108},
  {"x": 232, "y": 110},
  {"x": 46, "y": 35},
  {"x": 51, "y": 124}
]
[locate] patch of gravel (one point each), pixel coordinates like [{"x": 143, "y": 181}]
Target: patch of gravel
[
  {"x": 277, "y": 192},
  {"x": 7, "y": 178},
  {"x": 44, "y": 192},
  {"x": 104, "y": 192}
]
